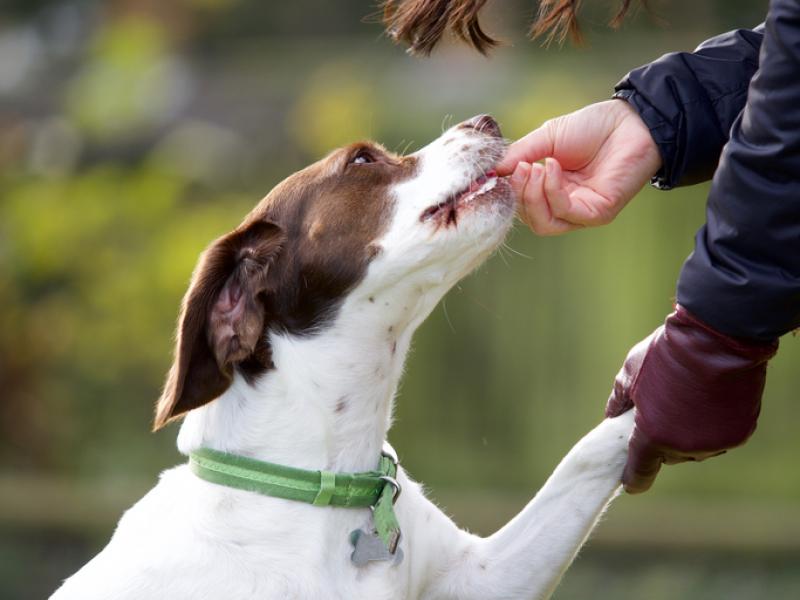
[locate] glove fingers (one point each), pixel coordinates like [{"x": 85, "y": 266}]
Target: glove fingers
[
  {"x": 644, "y": 463},
  {"x": 618, "y": 402}
]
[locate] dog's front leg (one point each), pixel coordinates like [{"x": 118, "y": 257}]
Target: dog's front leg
[{"x": 528, "y": 556}]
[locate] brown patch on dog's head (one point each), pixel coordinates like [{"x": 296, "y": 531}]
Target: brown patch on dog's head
[{"x": 287, "y": 268}]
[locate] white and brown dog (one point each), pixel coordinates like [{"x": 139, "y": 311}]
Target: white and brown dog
[{"x": 291, "y": 343}]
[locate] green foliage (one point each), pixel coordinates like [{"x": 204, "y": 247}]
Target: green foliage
[
  {"x": 123, "y": 81},
  {"x": 93, "y": 279},
  {"x": 330, "y": 110}
]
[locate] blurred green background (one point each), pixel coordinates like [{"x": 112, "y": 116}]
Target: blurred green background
[{"x": 132, "y": 132}]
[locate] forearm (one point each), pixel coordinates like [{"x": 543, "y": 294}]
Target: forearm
[
  {"x": 743, "y": 277},
  {"x": 690, "y": 100}
]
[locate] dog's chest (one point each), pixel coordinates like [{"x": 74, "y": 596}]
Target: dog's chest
[{"x": 231, "y": 544}]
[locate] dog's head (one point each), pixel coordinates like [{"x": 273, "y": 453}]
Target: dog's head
[{"x": 360, "y": 223}]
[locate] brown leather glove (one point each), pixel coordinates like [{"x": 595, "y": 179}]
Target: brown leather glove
[{"x": 697, "y": 393}]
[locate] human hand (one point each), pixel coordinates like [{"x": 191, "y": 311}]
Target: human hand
[
  {"x": 597, "y": 159},
  {"x": 696, "y": 391}
]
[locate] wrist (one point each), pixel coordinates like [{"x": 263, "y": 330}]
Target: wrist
[
  {"x": 753, "y": 350},
  {"x": 655, "y": 152},
  {"x": 650, "y": 151},
  {"x": 699, "y": 390}
]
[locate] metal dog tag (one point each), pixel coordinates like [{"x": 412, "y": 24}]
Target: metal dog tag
[{"x": 370, "y": 548}]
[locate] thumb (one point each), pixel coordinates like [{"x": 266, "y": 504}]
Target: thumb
[
  {"x": 535, "y": 146},
  {"x": 619, "y": 401},
  {"x": 644, "y": 463}
]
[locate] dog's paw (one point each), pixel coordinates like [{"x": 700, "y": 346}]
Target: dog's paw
[
  {"x": 621, "y": 426},
  {"x": 606, "y": 446}
]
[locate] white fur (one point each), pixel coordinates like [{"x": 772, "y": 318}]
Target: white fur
[{"x": 190, "y": 539}]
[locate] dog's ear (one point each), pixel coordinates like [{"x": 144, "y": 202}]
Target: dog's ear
[{"x": 222, "y": 318}]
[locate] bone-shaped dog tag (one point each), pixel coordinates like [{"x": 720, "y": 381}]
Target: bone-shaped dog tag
[{"x": 370, "y": 548}]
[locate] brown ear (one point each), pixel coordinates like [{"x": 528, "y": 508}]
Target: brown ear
[{"x": 222, "y": 318}]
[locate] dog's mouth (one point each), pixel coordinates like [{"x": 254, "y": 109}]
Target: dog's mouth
[{"x": 447, "y": 210}]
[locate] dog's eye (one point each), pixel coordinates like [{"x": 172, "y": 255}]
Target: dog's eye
[{"x": 362, "y": 158}]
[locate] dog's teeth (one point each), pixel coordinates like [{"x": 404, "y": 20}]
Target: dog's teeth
[{"x": 479, "y": 186}]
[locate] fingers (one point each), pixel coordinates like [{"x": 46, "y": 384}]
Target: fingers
[
  {"x": 528, "y": 184},
  {"x": 644, "y": 463},
  {"x": 518, "y": 181},
  {"x": 548, "y": 206},
  {"x": 531, "y": 148},
  {"x": 619, "y": 401},
  {"x": 555, "y": 192},
  {"x": 577, "y": 202}
]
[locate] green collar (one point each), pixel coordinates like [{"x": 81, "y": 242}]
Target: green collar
[{"x": 377, "y": 489}]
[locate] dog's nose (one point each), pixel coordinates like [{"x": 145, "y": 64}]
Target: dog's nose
[{"x": 483, "y": 124}]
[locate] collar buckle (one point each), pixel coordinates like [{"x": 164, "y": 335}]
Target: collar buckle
[{"x": 397, "y": 489}]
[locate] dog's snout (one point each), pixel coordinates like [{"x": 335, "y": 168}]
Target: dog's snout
[{"x": 483, "y": 124}]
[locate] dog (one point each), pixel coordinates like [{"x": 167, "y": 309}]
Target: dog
[{"x": 290, "y": 345}]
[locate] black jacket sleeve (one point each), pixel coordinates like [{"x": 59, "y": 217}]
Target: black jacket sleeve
[
  {"x": 743, "y": 277},
  {"x": 690, "y": 100}
]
